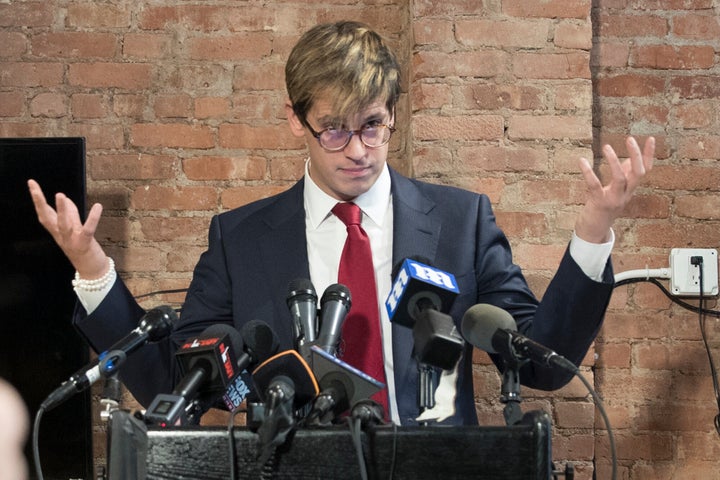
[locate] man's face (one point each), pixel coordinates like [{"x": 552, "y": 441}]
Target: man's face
[{"x": 351, "y": 171}]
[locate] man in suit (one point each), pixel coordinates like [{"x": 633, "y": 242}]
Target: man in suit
[{"x": 343, "y": 84}]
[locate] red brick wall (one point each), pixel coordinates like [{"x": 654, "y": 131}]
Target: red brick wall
[{"x": 181, "y": 105}]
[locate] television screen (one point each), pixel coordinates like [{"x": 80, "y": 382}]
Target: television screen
[{"x": 41, "y": 349}]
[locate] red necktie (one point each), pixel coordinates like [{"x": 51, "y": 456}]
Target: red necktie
[{"x": 361, "y": 330}]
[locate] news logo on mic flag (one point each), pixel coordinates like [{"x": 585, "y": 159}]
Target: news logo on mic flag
[{"x": 415, "y": 279}]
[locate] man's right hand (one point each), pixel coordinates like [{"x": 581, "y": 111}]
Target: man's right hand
[{"x": 75, "y": 239}]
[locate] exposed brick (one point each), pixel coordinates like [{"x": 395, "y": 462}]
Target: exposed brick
[
  {"x": 241, "y": 46},
  {"x": 211, "y": 107},
  {"x": 236, "y": 197},
  {"x": 12, "y": 104},
  {"x": 31, "y": 74},
  {"x": 700, "y": 207},
  {"x": 146, "y": 45},
  {"x": 99, "y": 136},
  {"x": 262, "y": 137},
  {"x": 624, "y": 24},
  {"x": 74, "y": 45},
  {"x": 162, "y": 229},
  {"x": 132, "y": 167},
  {"x": 122, "y": 75},
  {"x": 503, "y": 34},
  {"x": 129, "y": 105},
  {"x": 696, "y": 27},
  {"x": 12, "y": 44},
  {"x": 88, "y": 105},
  {"x": 173, "y": 106},
  {"x": 695, "y": 86},
  {"x": 438, "y": 32},
  {"x": 287, "y": 168},
  {"x": 549, "y": 127},
  {"x": 672, "y": 57},
  {"x": 569, "y": 34},
  {"x": 173, "y": 135},
  {"x": 264, "y": 76},
  {"x": 151, "y": 197},
  {"x": 548, "y": 9},
  {"x": 224, "y": 168},
  {"x": 495, "y": 97},
  {"x": 27, "y": 14},
  {"x": 208, "y": 18},
  {"x": 473, "y": 159},
  {"x": 468, "y": 127},
  {"x": 695, "y": 115},
  {"x": 431, "y": 95},
  {"x": 463, "y": 64},
  {"x": 51, "y": 105},
  {"x": 630, "y": 85},
  {"x": 98, "y": 15}
]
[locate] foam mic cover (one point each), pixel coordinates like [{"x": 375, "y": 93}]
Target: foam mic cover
[
  {"x": 480, "y": 323},
  {"x": 287, "y": 367}
]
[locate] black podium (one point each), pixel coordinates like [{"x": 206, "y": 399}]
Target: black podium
[{"x": 521, "y": 451}]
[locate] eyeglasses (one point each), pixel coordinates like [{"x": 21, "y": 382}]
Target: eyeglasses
[{"x": 371, "y": 135}]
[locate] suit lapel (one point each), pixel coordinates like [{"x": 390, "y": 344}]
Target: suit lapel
[{"x": 416, "y": 234}]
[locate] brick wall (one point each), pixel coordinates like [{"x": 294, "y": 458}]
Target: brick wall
[{"x": 181, "y": 105}]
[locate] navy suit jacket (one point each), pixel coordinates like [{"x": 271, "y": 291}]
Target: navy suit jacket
[{"x": 254, "y": 252}]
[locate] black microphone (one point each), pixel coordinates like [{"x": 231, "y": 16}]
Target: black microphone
[
  {"x": 341, "y": 386},
  {"x": 261, "y": 343},
  {"x": 285, "y": 384},
  {"x": 494, "y": 330},
  {"x": 208, "y": 365},
  {"x": 302, "y": 302},
  {"x": 420, "y": 298},
  {"x": 155, "y": 325},
  {"x": 334, "y": 306}
]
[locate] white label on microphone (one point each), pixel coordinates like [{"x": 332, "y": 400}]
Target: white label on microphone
[{"x": 93, "y": 374}]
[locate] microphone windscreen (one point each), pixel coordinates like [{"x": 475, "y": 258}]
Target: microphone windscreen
[
  {"x": 260, "y": 339},
  {"x": 301, "y": 286},
  {"x": 480, "y": 323},
  {"x": 234, "y": 337},
  {"x": 158, "y": 322},
  {"x": 288, "y": 364}
]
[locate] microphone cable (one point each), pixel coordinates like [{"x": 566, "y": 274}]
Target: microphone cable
[
  {"x": 35, "y": 448},
  {"x": 601, "y": 408}
]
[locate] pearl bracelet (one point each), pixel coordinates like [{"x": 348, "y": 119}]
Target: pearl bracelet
[{"x": 97, "y": 284}]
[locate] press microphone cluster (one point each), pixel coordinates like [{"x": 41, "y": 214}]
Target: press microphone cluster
[
  {"x": 212, "y": 365},
  {"x": 155, "y": 325},
  {"x": 494, "y": 330}
]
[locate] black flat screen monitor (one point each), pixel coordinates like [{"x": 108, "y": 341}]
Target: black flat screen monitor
[{"x": 41, "y": 348}]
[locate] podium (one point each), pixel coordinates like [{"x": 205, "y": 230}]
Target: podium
[{"x": 517, "y": 452}]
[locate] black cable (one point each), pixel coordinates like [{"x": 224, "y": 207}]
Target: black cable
[
  {"x": 667, "y": 293},
  {"x": 355, "y": 434},
  {"x": 232, "y": 454},
  {"x": 161, "y": 292},
  {"x": 611, "y": 436},
  {"x": 35, "y": 441},
  {"x": 701, "y": 319}
]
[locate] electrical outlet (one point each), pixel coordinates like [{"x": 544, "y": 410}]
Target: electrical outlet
[{"x": 685, "y": 271}]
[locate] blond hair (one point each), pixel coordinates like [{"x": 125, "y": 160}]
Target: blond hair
[{"x": 344, "y": 61}]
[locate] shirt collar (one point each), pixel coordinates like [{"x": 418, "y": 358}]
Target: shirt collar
[{"x": 374, "y": 202}]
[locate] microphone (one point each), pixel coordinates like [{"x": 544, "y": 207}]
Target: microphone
[
  {"x": 341, "y": 385},
  {"x": 494, "y": 330},
  {"x": 261, "y": 343},
  {"x": 419, "y": 287},
  {"x": 285, "y": 384},
  {"x": 208, "y": 364},
  {"x": 334, "y": 307},
  {"x": 302, "y": 302},
  {"x": 155, "y": 325},
  {"x": 420, "y": 298}
]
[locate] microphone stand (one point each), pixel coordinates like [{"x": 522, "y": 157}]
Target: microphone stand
[
  {"x": 426, "y": 384},
  {"x": 510, "y": 391}
]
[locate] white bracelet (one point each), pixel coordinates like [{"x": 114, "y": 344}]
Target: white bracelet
[{"x": 97, "y": 284}]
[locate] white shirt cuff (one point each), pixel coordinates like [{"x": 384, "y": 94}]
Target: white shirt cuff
[{"x": 591, "y": 257}]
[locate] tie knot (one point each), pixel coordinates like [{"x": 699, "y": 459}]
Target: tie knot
[{"x": 349, "y": 213}]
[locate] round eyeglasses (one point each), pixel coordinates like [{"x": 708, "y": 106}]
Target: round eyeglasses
[{"x": 336, "y": 139}]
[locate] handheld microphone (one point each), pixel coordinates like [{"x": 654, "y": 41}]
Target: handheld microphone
[
  {"x": 155, "y": 325},
  {"x": 420, "y": 298},
  {"x": 261, "y": 343},
  {"x": 208, "y": 364},
  {"x": 302, "y": 302},
  {"x": 494, "y": 330},
  {"x": 334, "y": 307}
]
